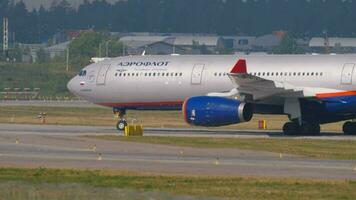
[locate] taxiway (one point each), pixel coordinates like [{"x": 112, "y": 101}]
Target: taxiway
[{"x": 67, "y": 147}]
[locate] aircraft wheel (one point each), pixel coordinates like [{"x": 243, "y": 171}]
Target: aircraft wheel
[
  {"x": 291, "y": 128},
  {"x": 349, "y": 128},
  {"x": 121, "y": 125},
  {"x": 310, "y": 129}
]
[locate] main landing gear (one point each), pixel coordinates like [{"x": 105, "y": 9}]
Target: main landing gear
[
  {"x": 349, "y": 128},
  {"x": 307, "y": 128},
  {"x": 121, "y": 124}
]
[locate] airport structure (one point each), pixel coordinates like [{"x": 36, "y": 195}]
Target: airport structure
[
  {"x": 335, "y": 44},
  {"x": 135, "y": 43}
]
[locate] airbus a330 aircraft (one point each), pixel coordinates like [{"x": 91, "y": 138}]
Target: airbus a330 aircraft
[{"x": 224, "y": 90}]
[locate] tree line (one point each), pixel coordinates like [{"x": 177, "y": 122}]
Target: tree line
[{"x": 303, "y": 18}]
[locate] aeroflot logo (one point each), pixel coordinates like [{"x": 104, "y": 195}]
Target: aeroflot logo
[{"x": 146, "y": 64}]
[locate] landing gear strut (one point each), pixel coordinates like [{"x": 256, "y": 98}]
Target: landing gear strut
[
  {"x": 307, "y": 128},
  {"x": 349, "y": 128},
  {"x": 121, "y": 124}
]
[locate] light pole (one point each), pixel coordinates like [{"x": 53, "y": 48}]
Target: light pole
[
  {"x": 100, "y": 50},
  {"x": 107, "y": 49},
  {"x": 67, "y": 67}
]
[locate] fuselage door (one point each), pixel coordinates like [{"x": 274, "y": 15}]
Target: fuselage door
[
  {"x": 100, "y": 80},
  {"x": 346, "y": 76},
  {"x": 197, "y": 74}
]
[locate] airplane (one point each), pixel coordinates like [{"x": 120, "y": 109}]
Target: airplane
[{"x": 219, "y": 90}]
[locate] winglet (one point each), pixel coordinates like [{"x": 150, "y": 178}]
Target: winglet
[{"x": 240, "y": 67}]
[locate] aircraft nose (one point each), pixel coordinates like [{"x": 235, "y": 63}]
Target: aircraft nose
[{"x": 72, "y": 86}]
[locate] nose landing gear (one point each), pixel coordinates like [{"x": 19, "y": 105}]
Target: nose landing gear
[{"x": 121, "y": 124}]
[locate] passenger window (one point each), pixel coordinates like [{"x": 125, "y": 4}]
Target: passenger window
[
  {"x": 181, "y": 74},
  {"x": 115, "y": 74}
]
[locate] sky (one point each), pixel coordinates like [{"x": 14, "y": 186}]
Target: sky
[{"x": 35, "y": 4}]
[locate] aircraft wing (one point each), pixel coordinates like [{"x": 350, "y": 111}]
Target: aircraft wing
[{"x": 260, "y": 88}]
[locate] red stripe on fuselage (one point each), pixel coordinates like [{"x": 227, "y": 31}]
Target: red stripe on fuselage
[
  {"x": 336, "y": 94},
  {"x": 143, "y": 104}
]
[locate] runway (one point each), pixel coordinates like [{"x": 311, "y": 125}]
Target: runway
[{"x": 66, "y": 147}]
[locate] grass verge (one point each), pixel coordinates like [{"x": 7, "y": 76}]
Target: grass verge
[
  {"x": 323, "y": 149},
  {"x": 103, "y": 117},
  {"x": 234, "y": 187}
]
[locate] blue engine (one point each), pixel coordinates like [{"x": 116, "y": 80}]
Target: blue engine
[
  {"x": 216, "y": 111},
  {"x": 345, "y": 104}
]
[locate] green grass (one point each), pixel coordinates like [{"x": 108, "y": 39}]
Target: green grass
[
  {"x": 323, "y": 149},
  {"x": 233, "y": 187},
  {"x": 51, "y": 78},
  {"x": 44, "y": 191},
  {"x": 101, "y": 116}
]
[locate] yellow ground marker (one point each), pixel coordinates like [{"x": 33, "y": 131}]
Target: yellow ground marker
[
  {"x": 217, "y": 161},
  {"x": 355, "y": 168},
  {"x": 94, "y": 148},
  {"x": 181, "y": 152},
  {"x": 17, "y": 141},
  {"x": 99, "y": 157},
  {"x": 280, "y": 155}
]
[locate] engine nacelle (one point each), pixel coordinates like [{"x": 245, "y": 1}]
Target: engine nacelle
[{"x": 216, "y": 111}]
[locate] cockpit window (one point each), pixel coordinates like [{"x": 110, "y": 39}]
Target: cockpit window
[{"x": 83, "y": 73}]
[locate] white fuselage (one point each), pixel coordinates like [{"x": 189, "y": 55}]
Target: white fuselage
[{"x": 169, "y": 80}]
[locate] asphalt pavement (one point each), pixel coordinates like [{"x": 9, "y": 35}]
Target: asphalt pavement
[{"x": 67, "y": 147}]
